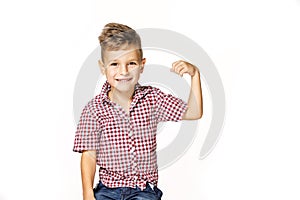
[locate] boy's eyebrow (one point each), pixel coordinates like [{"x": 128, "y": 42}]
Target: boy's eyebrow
[{"x": 129, "y": 60}]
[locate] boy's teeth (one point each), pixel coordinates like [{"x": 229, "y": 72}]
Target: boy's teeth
[{"x": 123, "y": 80}]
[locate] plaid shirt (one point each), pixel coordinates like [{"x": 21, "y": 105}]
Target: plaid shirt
[{"x": 126, "y": 144}]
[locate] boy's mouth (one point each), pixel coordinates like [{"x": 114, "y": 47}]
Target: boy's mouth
[{"x": 123, "y": 80}]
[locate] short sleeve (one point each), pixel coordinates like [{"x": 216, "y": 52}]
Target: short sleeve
[
  {"x": 87, "y": 136},
  {"x": 169, "y": 107}
]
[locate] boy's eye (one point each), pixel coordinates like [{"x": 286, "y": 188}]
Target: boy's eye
[
  {"x": 132, "y": 63},
  {"x": 113, "y": 64}
]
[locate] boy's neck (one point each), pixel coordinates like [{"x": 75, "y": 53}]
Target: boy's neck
[{"x": 124, "y": 99}]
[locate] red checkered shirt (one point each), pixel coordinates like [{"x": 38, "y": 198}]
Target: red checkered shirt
[{"x": 126, "y": 144}]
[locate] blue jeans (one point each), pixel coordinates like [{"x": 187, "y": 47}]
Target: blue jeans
[{"x": 101, "y": 192}]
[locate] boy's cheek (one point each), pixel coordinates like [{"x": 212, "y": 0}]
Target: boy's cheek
[{"x": 110, "y": 73}]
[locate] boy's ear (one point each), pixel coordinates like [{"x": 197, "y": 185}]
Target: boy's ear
[
  {"x": 142, "y": 64},
  {"x": 101, "y": 65}
]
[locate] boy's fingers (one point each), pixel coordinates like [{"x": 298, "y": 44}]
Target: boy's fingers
[
  {"x": 180, "y": 69},
  {"x": 175, "y": 64}
]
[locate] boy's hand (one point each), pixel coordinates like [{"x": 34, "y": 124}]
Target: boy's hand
[
  {"x": 181, "y": 67},
  {"x": 89, "y": 196}
]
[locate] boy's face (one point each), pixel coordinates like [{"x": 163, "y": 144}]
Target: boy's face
[{"x": 122, "y": 69}]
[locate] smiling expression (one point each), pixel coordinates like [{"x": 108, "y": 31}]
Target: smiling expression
[{"x": 122, "y": 69}]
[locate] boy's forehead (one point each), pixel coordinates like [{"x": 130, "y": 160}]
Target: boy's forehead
[{"x": 132, "y": 53}]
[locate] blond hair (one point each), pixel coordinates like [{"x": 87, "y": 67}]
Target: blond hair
[{"x": 117, "y": 36}]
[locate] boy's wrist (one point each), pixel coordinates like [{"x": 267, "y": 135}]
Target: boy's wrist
[
  {"x": 88, "y": 194},
  {"x": 196, "y": 72}
]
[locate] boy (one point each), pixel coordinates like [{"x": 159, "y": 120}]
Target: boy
[{"x": 117, "y": 128}]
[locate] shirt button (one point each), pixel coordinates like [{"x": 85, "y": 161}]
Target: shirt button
[
  {"x": 132, "y": 150},
  {"x": 130, "y": 133}
]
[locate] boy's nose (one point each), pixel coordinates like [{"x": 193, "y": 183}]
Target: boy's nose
[{"x": 123, "y": 69}]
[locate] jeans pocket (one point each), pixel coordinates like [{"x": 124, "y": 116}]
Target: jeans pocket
[
  {"x": 97, "y": 188},
  {"x": 158, "y": 192}
]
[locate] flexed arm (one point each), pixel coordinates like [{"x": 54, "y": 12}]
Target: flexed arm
[{"x": 195, "y": 104}]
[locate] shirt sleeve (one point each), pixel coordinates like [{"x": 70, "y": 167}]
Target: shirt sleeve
[
  {"x": 87, "y": 136},
  {"x": 169, "y": 107}
]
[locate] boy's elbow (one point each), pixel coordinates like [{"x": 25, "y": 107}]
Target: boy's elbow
[
  {"x": 199, "y": 116},
  {"x": 194, "y": 116}
]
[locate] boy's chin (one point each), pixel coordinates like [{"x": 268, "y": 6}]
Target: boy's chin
[{"x": 125, "y": 87}]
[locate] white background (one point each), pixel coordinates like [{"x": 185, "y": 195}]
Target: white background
[{"x": 254, "y": 44}]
